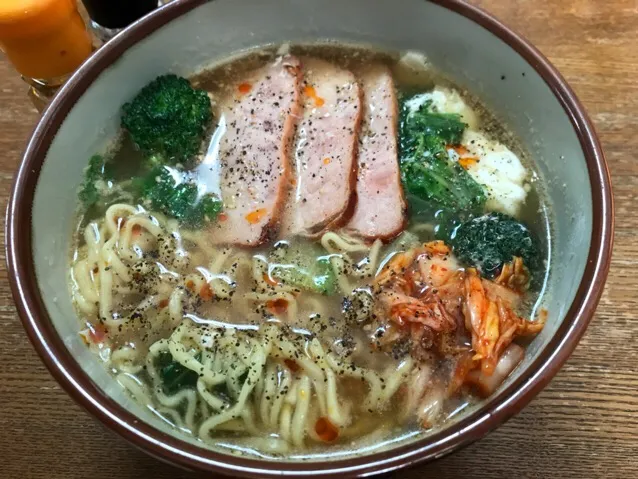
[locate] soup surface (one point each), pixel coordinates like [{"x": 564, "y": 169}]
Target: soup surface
[{"x": 309, "y": 249}]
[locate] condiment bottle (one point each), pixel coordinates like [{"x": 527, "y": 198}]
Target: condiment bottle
[
  {"x": 108, "y": 17},
  {"x": 45, "y": 40}
]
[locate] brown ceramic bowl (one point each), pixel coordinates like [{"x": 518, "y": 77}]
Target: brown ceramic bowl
[{"x": 468, "y": 45}]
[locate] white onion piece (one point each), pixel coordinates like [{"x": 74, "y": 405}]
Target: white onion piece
[
  {"x": 417, "y": 385},
  {"x": 431, "y": 405},
  {"x": 487, "y": 384}
]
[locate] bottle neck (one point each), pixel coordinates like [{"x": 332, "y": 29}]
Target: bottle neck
[{"x": 101, "y": 33}]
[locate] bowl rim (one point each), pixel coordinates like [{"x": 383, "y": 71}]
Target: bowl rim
[{"x": 500, "y": 407}]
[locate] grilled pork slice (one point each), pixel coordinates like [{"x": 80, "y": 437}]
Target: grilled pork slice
[
  {"x": 259, "y": 114},
  {"x": 380, "y": 211},
  {"x": 321, "y": 195}
]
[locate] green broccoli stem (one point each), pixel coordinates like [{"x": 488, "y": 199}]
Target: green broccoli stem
[
  {"x": 301, "y": 266},
  {"x": 97, "y": 170}
]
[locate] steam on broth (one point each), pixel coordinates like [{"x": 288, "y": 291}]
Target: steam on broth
[{"x": 312, "y": 249}]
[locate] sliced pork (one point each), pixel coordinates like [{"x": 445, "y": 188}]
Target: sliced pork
[
  {"x": 259, "y": 114},
  {"x": 380, "y": 211},
  {"x": 321, "y": 195}
]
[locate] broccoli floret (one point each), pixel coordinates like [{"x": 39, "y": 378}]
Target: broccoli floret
[
  {"x": 167, "y": 120},
  {"x": 170, "y": 193},
  {"x": 96, "y": 181},
  {"x": 489, "y": 241},
  {"x": 304, "y": 268},
  {"x": 426, "y": 170}
]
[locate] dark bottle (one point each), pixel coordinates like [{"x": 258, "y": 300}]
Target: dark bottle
[{"x": 108, "y": 17}]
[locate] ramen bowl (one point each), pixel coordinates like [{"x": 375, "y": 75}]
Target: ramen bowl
[{"x": 467, "y": 45}]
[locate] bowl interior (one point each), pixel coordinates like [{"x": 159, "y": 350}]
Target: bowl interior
[{"x": 468, "y": 53}]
